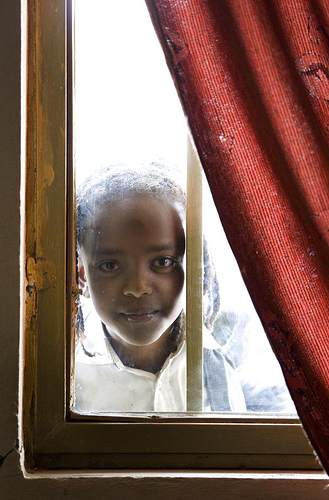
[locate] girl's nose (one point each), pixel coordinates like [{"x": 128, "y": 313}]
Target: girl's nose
[{"x": 137, "y": 284}]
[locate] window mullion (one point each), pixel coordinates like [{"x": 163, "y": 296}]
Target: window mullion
[{"x": 194, "y": 283}]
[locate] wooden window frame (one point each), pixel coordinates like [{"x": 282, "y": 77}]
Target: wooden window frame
[{"x": 53, "y": 439}]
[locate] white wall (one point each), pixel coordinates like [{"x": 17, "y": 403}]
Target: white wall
[{"x": 12, "y": 484}]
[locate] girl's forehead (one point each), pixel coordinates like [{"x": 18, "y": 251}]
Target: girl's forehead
[
  {"x": 138, "y": 206},
  {"x": 135, "y": 222}
]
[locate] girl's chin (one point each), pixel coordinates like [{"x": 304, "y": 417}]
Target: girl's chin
[{"x": 140, "y": 330}]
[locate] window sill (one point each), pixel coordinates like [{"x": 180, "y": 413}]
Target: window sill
[{"x": 227, "y": 476}]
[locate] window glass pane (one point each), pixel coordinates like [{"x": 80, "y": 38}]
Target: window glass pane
[
  {"x": 239, "y": 333},
  {"x": 129, "y": 131}
]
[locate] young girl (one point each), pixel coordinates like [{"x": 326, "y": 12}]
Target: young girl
[{"x": 131, "y": 247}]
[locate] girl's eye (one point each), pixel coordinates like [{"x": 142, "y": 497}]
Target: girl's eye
[
  {"x": 164, "y": 264},
  {"x": 109, "y": 266}
]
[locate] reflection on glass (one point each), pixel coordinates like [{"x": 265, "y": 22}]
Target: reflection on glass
[{"x": 131, "y": 218}]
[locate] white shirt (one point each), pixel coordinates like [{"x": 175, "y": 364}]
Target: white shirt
[{"x": 105, "y": 384}]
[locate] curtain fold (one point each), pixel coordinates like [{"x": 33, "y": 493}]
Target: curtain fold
[{"x": 253, "y": 79}]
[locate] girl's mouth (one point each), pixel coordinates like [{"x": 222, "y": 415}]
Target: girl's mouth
[{"x": 141, "y": 317}]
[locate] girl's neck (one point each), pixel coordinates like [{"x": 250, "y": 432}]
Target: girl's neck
[{"x": 149, "y": 358}]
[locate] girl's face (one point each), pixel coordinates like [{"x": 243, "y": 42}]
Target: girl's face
[{"x": 131, "y": 265}]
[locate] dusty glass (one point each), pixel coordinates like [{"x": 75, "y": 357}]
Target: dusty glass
[{"x": 129, "y": 131}]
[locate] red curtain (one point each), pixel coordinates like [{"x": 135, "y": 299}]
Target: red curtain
[{"x": 253, "y": 78}]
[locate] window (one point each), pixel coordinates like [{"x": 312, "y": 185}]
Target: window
[{"x": 54, "y": 439}]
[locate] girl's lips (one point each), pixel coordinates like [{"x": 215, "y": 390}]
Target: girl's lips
[{"x": 142, "y": 317}]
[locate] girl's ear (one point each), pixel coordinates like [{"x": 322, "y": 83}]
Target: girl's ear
[{"x": 82, "y": 280}]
